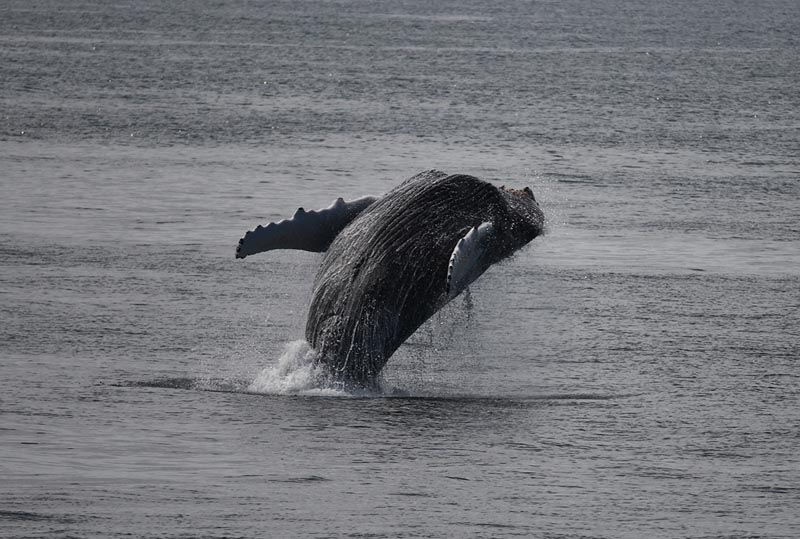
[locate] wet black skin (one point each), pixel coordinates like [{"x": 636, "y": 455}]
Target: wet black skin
[{"x": 385, "y": 273}]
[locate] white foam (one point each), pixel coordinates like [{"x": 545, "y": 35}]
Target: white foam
[{"x": 294, "y": 373}]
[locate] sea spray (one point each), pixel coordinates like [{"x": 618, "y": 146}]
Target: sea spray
[{"x": 297, "y": 372}]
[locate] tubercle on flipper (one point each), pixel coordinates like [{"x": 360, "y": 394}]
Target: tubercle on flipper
[{"x": 306, "y": 230}]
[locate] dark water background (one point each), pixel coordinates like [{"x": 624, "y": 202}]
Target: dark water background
[{"x": 633, "y": 373}]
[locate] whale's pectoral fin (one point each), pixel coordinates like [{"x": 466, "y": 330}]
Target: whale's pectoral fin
[
  {"x": 306, "y": 230},
  {"x": 466, "y": 262}
]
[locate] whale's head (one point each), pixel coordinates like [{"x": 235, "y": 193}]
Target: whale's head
[{"x": 527, "y": 218}]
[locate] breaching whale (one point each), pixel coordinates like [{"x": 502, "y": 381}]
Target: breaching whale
[{"x": 391, "y": 262}]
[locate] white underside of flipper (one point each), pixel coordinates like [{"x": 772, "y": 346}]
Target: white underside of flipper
[
  {"x": 465, "y": 264},
  {"x": 307, "y": 230}
]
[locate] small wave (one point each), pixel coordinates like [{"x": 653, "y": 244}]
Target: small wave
[
  {"x": 34, "y": 517},
  {"x": 220, "y": 385}
]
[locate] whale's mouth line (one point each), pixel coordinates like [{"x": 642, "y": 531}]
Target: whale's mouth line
[{"x": 243, "y": 387}]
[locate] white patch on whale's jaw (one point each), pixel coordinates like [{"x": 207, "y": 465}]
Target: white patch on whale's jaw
[
  {"x": 307, "y": 230},
  {"x": 465, "y": 262}
]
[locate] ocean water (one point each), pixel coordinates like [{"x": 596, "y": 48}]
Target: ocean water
[{"x": 633, "y": 373}]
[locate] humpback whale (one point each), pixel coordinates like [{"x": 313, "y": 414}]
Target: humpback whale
[{"x": 392, "y": 261}]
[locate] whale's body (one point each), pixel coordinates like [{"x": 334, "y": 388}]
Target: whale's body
[{"x": 393, "y": 264}]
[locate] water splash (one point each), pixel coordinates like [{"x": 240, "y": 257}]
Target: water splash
[
  {"x": 296, "y": 372},
  {"x": 428, "y": 364}
]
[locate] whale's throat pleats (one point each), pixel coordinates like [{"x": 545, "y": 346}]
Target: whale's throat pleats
[{"x": 386, "y": 272}]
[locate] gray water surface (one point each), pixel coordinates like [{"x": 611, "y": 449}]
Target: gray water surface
[{"x": 633, "y": 373}]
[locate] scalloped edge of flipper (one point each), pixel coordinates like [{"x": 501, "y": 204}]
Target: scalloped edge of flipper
[
  {"x": 306, "y": 231},
  {"x": 464, "y": 265}
]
